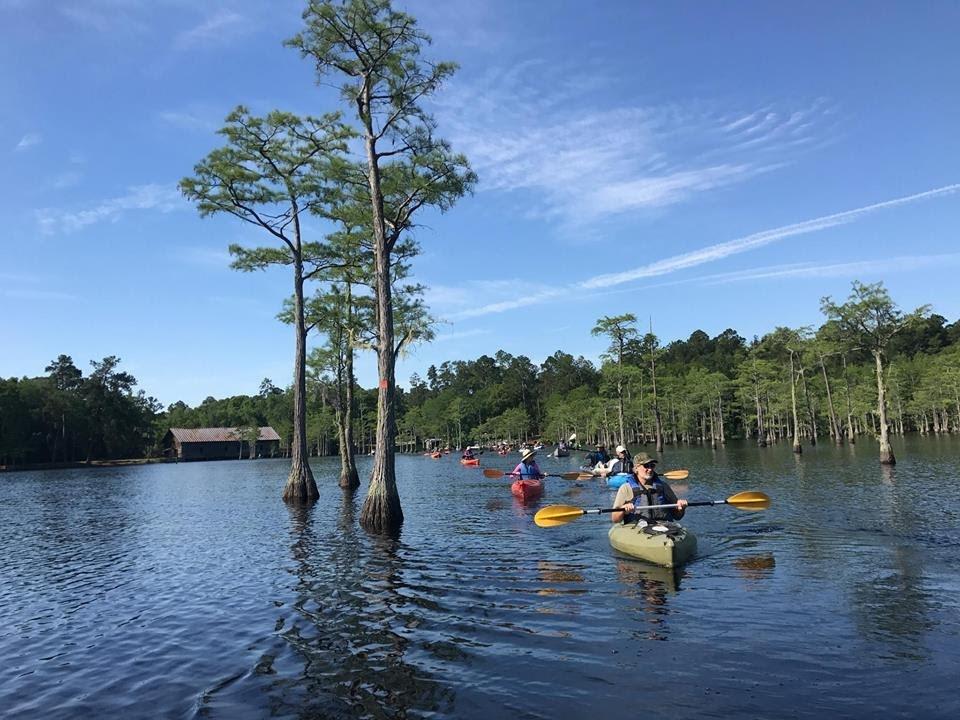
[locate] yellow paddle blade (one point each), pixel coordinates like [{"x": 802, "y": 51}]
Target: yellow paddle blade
[
  {"x": 554, "y": 515},
  {"x": 491, "y": 473},
  {"x": 749, "y": 500},
  {"x": 676, "y": 474}
]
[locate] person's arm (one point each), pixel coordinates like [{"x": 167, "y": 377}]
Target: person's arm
[
  {"x": 624, "y": 500},
  {"x": 671, "y": 497}
]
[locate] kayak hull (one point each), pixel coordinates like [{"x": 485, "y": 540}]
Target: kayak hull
[
  {"x": 661, "y": 543},
  {"x": 527, "y": 489},
  {"x": 475, "y": 462}
]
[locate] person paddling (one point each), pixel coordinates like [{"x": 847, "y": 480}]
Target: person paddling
[
  {"x": 620, "y": 464},
  {"x": 528, "y": 469},
  {"x": 645, "y": 487},
  {"x": 598, "y": 456}
]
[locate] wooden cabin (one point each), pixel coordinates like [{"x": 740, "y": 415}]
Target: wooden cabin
[{"x": 224, "y": 443}]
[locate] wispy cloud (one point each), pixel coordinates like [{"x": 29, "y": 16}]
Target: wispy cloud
[
  {"x": 856, "y": 268},
  {"x": 582, "y": 161},
  {"x": 205, "y": 256},
  {"x": 30, "y": 294},
  {"x": 143, "y": 197},
  {"x": 510, "y": 304},
  {"x": 460, "y": 335},
  {"x": 106, "y": 16},
  {"x": 602, "y": 284},
  {"x": 188, "y": 120},
  {"x": 459, "y": 302},
  {"x": 66, "y": 179},
  {"x": 28, "y": 141},
  {"x": 29, "y": 286},
  {"x": 217, "y": 29},
  {"x": 755, "y": 240}
]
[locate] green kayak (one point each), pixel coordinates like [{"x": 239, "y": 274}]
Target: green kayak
[{"x": 661, "y": 543}]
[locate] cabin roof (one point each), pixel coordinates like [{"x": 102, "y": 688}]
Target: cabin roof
[{"x": 219, "y": 434}]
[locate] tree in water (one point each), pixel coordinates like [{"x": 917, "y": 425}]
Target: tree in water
[
  {"x": 653, "y": 345},
  {"x": 869, "y": 320},
  {"x": 272, "y": 170},
  {"x": 620, "y": 329},
  {"x": 405, "y": 168}
]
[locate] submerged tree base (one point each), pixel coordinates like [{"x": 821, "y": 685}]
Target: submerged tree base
[
  {"x": 349, "y": 479},
  {"x": 887, "y": 457},
  {"x": 300, "y": 487},
  {"x": 381, "y": 514}
]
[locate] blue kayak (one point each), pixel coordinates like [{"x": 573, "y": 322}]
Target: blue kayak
[{"x": 617, "y": 480}]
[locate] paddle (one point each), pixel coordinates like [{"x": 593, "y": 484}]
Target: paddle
[
  {"x": 554, "y": 515},
  {"x": 491, "y": 473}
]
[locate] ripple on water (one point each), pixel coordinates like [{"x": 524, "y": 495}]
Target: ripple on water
[{"x": 189, "y": 590}]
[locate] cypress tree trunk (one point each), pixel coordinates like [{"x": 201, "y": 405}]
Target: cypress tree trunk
[
  {"x": 810, "y": 413},
  {"x": 657, "y": 426},
  {"x": 851, "y": 437},
  {"x": 886, "y": 452},
  {"x": 834, "y": 425},
  {"x": 956, "y": 395},
  {"x": 723, "y": 437},
  {"x": 300, "y": 486},
  {"x": 623, "y": 429},
  {"x": 673, "y": 422},
  {"x": 761, "y": 441},
  {"x": 797, "y": 447},
  {"x": 349, "y": 478},
  {"x": 381, "y": 512}
]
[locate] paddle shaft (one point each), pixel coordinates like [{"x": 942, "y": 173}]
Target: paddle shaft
[{"x": 641, "y": 508}]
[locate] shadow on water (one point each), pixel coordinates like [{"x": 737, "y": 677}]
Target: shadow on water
[{"x": 351, "y": 625}]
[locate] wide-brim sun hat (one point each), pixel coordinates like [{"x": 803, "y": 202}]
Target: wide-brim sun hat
[
  {"x": 528, "y": 454},
  {"x": 643, "y": 459}
]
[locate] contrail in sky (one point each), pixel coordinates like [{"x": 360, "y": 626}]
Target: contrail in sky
[
  {"x": 750, "y": 242},
  {"x": 707, "y": 254}
]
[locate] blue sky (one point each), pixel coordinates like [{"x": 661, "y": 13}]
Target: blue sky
[{"x": 709, "y": 165}]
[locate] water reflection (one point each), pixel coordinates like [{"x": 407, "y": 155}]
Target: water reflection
[
  {"x": 351, "y": 627},
  {"x": 553, "y": 574},
  {"x": 895, "y": 608},
  {"x": 651, "y": 586},
  {"x": 755, "y": 567}
]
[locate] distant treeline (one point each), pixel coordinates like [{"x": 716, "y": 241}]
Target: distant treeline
[
  {"x": 708, "y": 390},
  {"x": 64, "y": 417}
]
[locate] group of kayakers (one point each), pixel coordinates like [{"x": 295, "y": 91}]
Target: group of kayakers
[{"x": 643, "y": 486}]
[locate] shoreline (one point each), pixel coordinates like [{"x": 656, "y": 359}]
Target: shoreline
[{"x": 83, "y": 464}]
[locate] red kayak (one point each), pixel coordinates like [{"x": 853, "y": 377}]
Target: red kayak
[
  {"x": 471, "y": 462},
  {"x": 527, "y": 489}
]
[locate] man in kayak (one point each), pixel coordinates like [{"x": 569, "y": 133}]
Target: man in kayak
[
  {"x": 528, "y": 469},
  {"x": 620, "y": 464},
  {"x": 598, "y": 456},
  {"x": 468, "y": 454},
  {"x": 645, "y": 487}
]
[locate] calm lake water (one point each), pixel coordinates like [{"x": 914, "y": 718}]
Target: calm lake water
[{"x": 191, "y": 590}]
